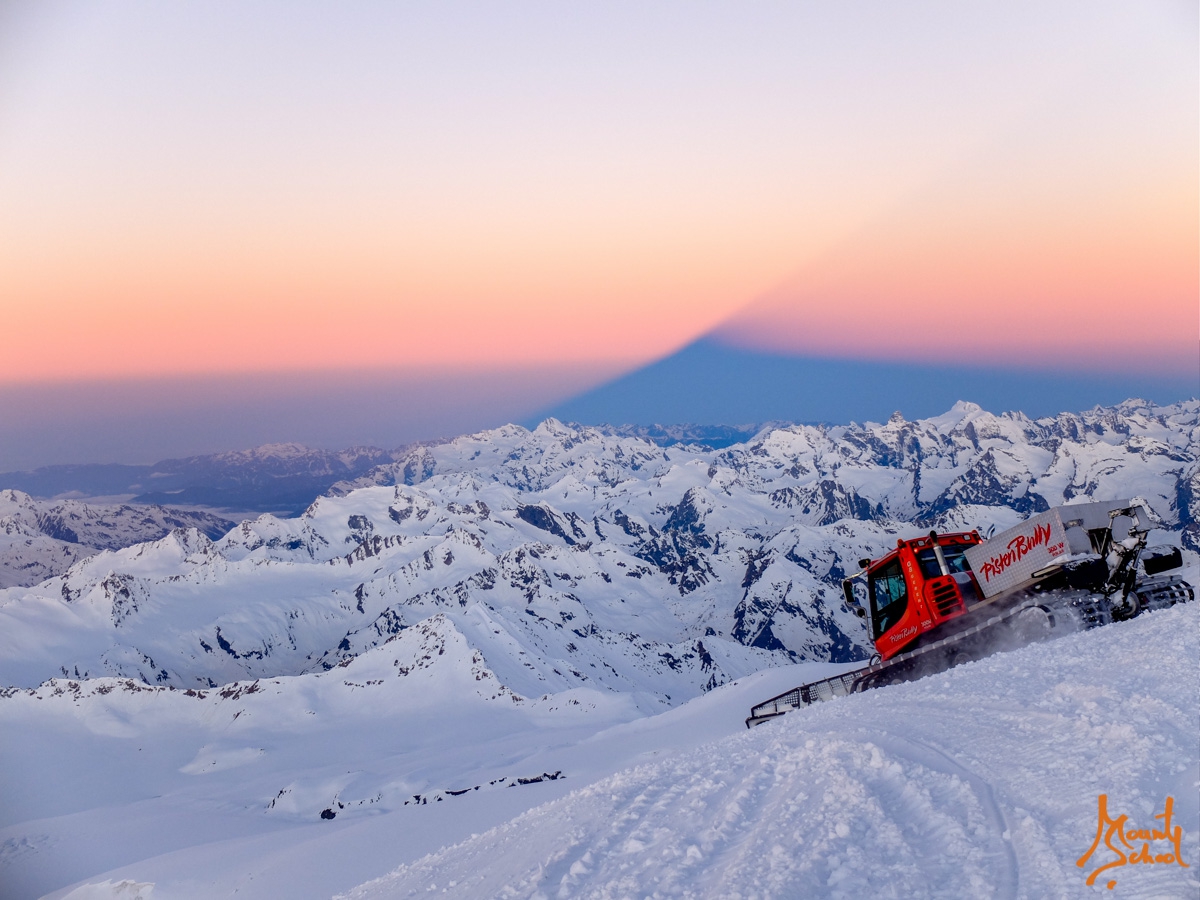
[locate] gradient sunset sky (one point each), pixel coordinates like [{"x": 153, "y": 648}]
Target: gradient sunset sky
[{"x": 208, "y": 188}]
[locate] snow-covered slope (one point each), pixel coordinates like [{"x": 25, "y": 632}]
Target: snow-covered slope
[
  {"x": 43, "y": 538},
  {"x": 981, "y": 782},
  {"x": 574, "y": 557}
]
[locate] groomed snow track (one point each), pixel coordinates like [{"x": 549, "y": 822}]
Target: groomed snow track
[{"x": 980, "y": 782}]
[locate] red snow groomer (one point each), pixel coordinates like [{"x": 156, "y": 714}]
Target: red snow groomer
[{"x": 936, "y": 601}]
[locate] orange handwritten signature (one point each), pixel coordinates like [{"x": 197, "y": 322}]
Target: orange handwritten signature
[{"x": 1110, "y": 831}]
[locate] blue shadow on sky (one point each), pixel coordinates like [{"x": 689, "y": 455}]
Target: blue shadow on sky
[{"x": 709, "y": 383}]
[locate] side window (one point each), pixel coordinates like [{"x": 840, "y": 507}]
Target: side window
[{"x": 889, "y": 597}]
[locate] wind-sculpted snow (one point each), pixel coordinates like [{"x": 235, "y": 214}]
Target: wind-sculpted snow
[
  {"x": 585, "y": 557},
  {"x": 982, "y": 782}
]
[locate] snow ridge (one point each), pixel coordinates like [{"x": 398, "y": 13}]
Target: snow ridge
[
  {"x": 43, "y": 538},
  {"x": 578, "y": 557}
]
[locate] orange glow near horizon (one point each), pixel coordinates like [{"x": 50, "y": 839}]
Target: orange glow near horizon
[
  {"x": 420, "y": 189},
  {"x": 1038, "y": 263},
  {"x": 172, "y": 316}
]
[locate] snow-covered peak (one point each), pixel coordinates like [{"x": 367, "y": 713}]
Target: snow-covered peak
[
  {"x": 12, "y": 501},
  {"x": 270, "y": 451},
  {"x": 554, "y": 428},
  {"x": 956, "y": 417}
]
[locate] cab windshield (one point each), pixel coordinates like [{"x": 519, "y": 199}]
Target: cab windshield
[{"x": 955, "y": 560}]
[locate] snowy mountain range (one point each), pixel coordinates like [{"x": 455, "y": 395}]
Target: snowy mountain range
[
  {"x": 281, "y": 478},
  {"x": 571, "y": 556},
  {"x": 40, "y": 538},
  {"x": 477, "y": 623}
]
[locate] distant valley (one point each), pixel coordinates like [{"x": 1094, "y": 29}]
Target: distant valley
[{"x": 277, "y": 478}]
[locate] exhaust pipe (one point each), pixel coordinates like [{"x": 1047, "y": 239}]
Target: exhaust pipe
[{"x": 937, "y": 551}]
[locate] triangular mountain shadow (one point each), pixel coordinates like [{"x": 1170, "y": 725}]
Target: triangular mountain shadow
[{"x": 708, "y": 382}]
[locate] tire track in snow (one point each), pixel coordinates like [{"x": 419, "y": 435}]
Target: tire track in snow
[
  {"x": 627, "y": 835},
  {"x": 901, "y": 793},
  {"x": 935, "y": 758},
  {"x": 841, "y": 812}
]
